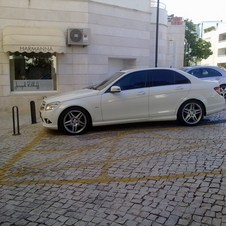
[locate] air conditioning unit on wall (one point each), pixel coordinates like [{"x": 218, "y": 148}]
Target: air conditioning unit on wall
[{"x": 78, "y": 36}]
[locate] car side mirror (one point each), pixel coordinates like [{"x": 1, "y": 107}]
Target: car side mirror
[{"x": 115, "y": 89}]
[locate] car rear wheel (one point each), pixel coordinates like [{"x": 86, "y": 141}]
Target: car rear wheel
[
  {"x": 223, "y": 90},
  {"x": 74, "y": 121},
  {"x": 190, "y": 113}
]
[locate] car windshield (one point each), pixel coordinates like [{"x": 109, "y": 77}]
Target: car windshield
[
  {"x": 222, "y": 68},
  {"x": 107, "y": 81}
]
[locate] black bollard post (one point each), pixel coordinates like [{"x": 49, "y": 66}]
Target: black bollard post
[
  {"x": 33, "y": 112},
  {"x": 16, "y": 111}
]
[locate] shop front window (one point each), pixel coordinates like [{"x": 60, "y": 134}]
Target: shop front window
[{"x": 32, "y": 71}]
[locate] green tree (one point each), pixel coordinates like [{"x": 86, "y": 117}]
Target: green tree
[
  {"x": 195, "y": 49},
  {"x": 213, "y": 28}
]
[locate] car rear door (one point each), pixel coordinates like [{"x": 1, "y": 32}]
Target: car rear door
[
  {"x": 168, "y": 88},
  {"x": 210, "y": 73}
]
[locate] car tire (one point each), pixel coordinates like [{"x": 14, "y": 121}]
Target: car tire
[
  {"x": 223, "y": 90},
  {"x": 74, "y": 121},
  {"x": 190, "y": 113}
]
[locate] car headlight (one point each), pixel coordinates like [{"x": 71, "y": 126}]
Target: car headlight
[{"x": 52, "y": 105}]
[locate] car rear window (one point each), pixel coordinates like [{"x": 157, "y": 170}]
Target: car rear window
[{"x": 166, "y": 77}]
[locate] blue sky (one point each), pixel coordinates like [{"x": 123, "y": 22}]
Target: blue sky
[{"x": 197, "y": 10}]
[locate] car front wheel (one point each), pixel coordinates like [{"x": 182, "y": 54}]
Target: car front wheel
[
  {"x": 191, "y": 113},
  {"x": 74, "y": 121}
]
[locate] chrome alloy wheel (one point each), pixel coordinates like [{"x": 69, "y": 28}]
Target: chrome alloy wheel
[
  {"x": 74, "y": 121},
  {"x": 223, "y": 90},
  {"x": 192, "y": 113}
]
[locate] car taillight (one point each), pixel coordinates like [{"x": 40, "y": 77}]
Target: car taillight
[{"x": 217, "y": 89}]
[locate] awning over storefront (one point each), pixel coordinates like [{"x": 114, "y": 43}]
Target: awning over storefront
[{"x": 33, "y": 39}]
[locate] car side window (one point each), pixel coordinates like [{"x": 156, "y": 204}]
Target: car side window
[
  {"x": 180, "y": 79},
  {"x": 134, "y": 80},
  {"x": 209, "y": 72},
  {"x": 166, "y": 77},
  {"x": 162, "y": 78},
  {"x": 196, "y": 72}
]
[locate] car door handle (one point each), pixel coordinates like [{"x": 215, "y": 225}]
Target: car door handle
[
  {"x": 179, "y": 88},
  {"x": 141, "y": 93}
]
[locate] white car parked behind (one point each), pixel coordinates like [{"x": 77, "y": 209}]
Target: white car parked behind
[{"x": 209, "y": 73}]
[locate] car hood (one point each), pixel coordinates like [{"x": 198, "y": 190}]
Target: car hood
[{"x": 72, "y": 95}]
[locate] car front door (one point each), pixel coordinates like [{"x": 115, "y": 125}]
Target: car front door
[{"x": 131, "y": 102}]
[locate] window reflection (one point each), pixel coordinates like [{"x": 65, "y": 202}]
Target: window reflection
[{"x": 32, "y": 71}]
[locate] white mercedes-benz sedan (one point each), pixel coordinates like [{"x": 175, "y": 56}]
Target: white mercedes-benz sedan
[{"x": 153, "y": 94}]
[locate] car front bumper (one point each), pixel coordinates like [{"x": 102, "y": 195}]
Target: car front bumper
[{"x": 48, "y": 119}]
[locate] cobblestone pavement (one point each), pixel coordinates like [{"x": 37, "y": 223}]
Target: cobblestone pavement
[{"x": 138, "y": 174}]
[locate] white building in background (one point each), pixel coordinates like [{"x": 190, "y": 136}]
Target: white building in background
[
  {"x": 217, "y": 38},
  {"x": 53, "y": 46}
]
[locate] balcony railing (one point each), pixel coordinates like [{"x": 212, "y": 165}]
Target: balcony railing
[
  {"x": 155, "y": 3},
  {"x": 221, "y": 59},
  {"x": 222, "y": 44}
]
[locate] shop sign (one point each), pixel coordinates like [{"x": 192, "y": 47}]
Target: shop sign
[
  {"x": 36, "y": 49},
  {"x": 33, "y": 85},
  {"x": 177, "y": 21}
]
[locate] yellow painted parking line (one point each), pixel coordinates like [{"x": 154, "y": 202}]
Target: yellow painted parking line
[
  {"x": 113, "y": 179},
  {"x": 129, "y": 157},
  {"x": 23, "y": 170},
  {"x": 20, "y": 172},
  {"x": 52, "y": 150},
  {"x": 25, "y": 150},
  {"x": 19, "y": 155},
  {"x": 217, "y": 149},
  {"x": 106, "y": 164}
]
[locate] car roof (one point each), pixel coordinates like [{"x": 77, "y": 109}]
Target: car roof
[
  {"x": 151, "y": 68},
  {"x": 201, "y": 66}
]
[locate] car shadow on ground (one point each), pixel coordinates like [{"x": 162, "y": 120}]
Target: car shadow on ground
[{"x": 139, "y": 126}]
